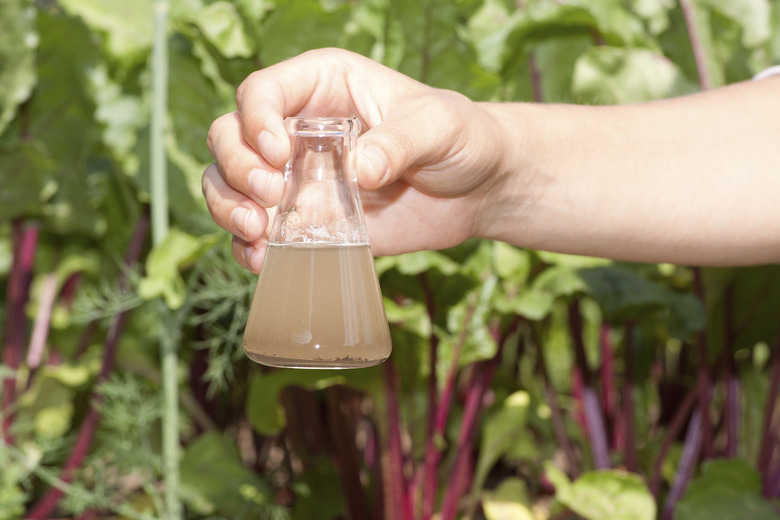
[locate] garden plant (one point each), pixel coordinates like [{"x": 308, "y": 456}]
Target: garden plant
[{"x": 523, "y": 384}]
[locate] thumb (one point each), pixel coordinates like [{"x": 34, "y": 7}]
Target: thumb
[
  {"x": 385, "y": 153},
  {"x": 392, "y": 148}
]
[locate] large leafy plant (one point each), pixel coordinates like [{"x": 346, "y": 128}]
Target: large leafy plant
[{"x": 523, "y": 384}]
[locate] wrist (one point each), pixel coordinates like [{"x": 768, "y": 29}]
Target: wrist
[{"x": 516, "y": 186}]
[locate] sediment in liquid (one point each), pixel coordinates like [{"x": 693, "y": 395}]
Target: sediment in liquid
[{"x": 317, "y": 306}]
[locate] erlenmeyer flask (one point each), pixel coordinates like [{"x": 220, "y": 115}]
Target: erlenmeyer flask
[{"x": 317, "y": 303}]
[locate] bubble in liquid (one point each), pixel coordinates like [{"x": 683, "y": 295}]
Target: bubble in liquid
[{"x": 301, "y": 337}]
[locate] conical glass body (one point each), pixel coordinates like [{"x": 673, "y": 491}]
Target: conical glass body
[{"x": 318, "y": 303}]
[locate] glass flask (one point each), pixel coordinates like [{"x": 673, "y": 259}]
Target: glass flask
[{"x": 318, "y": 303}]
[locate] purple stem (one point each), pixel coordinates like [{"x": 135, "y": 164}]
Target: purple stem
[
  {"x": 25, "y": 241},
  {"x": 628, "y": 401},
  {"x": 690, "y": 454},
  {"x": 768, "y": 437},
  {"x": 678, "y": 421},
  {"x": 731, "y": 412},
  {"x": 462, "y": 466},
  {"x": 536, "y": 78},
  {"x": 703, "y": 375},
  {"x": 483, "y": 372},
  {"x": 773, "y": 484},
  {"x": 48, "y": 503},
  {"x": 432, "y": 454},
  {"x": 590, "y": 399},
  {"x": 607, "y": 375},
  {"x": 396, "y": 499},
  {"x": 697, "y": 46}
]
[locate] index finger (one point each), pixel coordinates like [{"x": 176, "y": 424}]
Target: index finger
[{"x": 310, "y": 84}]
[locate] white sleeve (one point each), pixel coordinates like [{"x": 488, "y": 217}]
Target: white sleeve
[{"x": 771, "y": 71}]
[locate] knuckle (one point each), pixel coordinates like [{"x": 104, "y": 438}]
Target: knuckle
[{"x": 215, "y": 130}]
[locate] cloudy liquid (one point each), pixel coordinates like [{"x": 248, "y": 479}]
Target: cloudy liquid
[{"x": 317, "y": 306}]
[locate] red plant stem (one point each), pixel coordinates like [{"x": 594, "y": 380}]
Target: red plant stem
[
  {"x": 432, "y": 453},
  {"x": 607, "y": 375},
  {"x": 678, "y": 421},
  {"x": 25, "y": 241},
  {"x": 442, "y": 411},
  {"x": 483, "y": 372},
  {"x": 43, "y": 509},
  {"x": 768, "y": 437},
  {"x": 536, "y": 78},
  {"x": 42, "y": 324},
  {"x": 703, "y": 374},
  {"x": 590, "y": 400},
  {"x": 773, "y": 484},
  {"x": 343, "y": 408},
  {"x": 697, "y": 46},
  {"x": 397, "y": 501},
  {"x": 690, "y": 454},
  {"x": 628, "y": 401},
  {"x": 731, "y": 413},
  {"x": 475, "y": 397},
  {"x": 48, "y": 503}
]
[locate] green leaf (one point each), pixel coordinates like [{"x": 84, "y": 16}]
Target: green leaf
[
  {"x": 221, "y": 24},
  {"x": 655, "y": 13},
  {"x": 214, "y": 480},
  {"x": 262, "y": 406},
  {"x": 49, "y": 403},
  {"x": 177, "y": 251},
  {"x": 726, "y": 489},
  {"x": 26, "y": 181},
  {"x": 511, "y": 262},
  {"x": 612, "y": 75},
  {"x": 127, "y": 26},
  {"x": 752, "y": 16},
  {"x": 624, "y": 294},
  {"x": 597, "y": 495},
  {"x": 531, "y": 304},
  {"x": 502, "y": 430},
  {"x": 319, "y": 493},
  {"x": 508, "y": 502},
  {"x": 18, "y": 41},
  {"x": 416, "y": 263},
  {"x": 295, "y": 27}
]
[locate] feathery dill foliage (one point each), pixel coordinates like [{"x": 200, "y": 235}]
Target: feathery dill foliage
[
  {"x": 220, "y": 293},
  {"x": 125, "y": 460},
  {"x": 106, "y": 298}
]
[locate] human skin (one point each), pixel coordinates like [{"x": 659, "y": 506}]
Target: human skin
[{"x": 690, "y": 180}]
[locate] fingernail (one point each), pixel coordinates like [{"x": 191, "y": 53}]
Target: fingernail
[
  {"x": 378, "y": 161},
  {"x": 268, "y": 146},
  {"x": 259, "y": 183},
  {"x": 239, "y": 217}
]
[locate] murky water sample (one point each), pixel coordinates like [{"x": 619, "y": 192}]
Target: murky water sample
[{"x": 318, "y": 306}]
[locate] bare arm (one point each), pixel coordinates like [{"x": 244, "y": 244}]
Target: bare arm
[{"x": 692, "y": 180}]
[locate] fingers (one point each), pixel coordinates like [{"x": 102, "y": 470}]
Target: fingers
[
  {"x": 323, "y": 82},
  {"x": 422, "y": 132},
  {"x": 240, "y": 166},
  {"x": 232, "y": 210},
  {"x": 249, "y": 255}
]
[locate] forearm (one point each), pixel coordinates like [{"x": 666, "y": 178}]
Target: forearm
[{"x": 692, "y": 180}]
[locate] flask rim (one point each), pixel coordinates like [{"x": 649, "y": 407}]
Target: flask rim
[{"x": 322, "y": 126}]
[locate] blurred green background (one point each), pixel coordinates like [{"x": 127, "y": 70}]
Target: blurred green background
[{"x": 523, "y": 384}]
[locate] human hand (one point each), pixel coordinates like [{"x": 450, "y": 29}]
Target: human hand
[{"x": 426, "y": 165}]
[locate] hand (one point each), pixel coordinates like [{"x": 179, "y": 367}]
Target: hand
[{"x": 426, "y": 165}]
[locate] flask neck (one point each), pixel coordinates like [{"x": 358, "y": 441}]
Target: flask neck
[{"x": 316, "y": 158}]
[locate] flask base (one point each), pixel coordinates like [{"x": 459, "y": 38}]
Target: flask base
[{"x": 332, "y": 364}]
